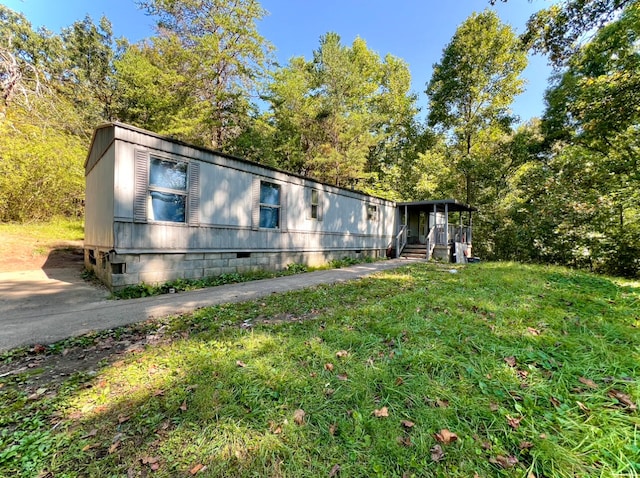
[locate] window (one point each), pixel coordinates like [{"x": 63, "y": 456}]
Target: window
[
  {"x": 269, "y": 205},
  {"x": 314, "y": 204},
  {"x": 372, "y": 212},
  {"x": 167, "y": 190}
]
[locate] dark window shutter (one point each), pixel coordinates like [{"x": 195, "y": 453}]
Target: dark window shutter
[
  {"x": 255, "y": 209},
  {"x": 307, "y": 203},
  {"x": 194, "y": 193},
  {"x": 141, "y": 183},
  {"x": 283, "y": 208},
  {"x": 320, "y": 201}
]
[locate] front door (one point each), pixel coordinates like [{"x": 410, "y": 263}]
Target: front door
[{"x": 423, "y": 228}]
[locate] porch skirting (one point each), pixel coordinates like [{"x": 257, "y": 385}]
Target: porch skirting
[{"x": 121, "y": 270}]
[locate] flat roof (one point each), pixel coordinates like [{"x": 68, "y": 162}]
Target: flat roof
[{"x": 452, "y": 205}]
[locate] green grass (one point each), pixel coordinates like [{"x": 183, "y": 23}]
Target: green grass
[
  {"x": 527, "y": 363},
  {"x": 58, "y": 229}
]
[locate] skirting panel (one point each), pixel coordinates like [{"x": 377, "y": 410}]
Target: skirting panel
[{"x": 121, "y": 270}]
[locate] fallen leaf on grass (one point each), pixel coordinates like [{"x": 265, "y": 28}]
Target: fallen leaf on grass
[
  {"x": 405, "y": 441},
  {"x": 511, "y": 361},
  {"x": 554, "y": 401},
  {"x": 333, "y": 428},
  {"x": 588, "y": 382},
  {"x": 149, "y": 460},
  {"x": 445, "y": 436},
  {"x": 197, "y": 469},
  {"x": 399, "y": 381},
  {"x": 114, "y": 447},
  {"x": 89, "y": 447},
  {"x": 39, "y": 348},
  {"x": 329, "y": 367},
  {"x": 342, "y": 353},
  {"x": 343, "y": 377},
  {"x": 122, "y": 419},
  {"x": 92, "y": 433},
  {"x": 183, "y": 407},
  {"x": 583, "y": 407},
  {"x": 407, "y": 424},
  {"x": 437, "y": 453},
  {"x": 494, "y": 407},
  {"x": 240, "y": 363},
  {"x": 623, "y": 398},
  {"x": 381, "y": 413},
  {"x": 504, "y": 461},
  {"x": 525, "y": 445},
  {"x": 533, "y": 331},
  {"x": 334, "y": 471},
  {"x": 275, "y": 428},
  {"x": 298, "y": 416},
  {"x": 514, "y": 422}
]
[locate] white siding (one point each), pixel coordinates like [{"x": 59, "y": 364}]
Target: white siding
[{"x": 99, "y": 204}]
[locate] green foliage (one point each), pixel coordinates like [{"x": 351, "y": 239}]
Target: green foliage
[
  {"x": 41, "y": 164},
  {"x": 342, "y": 116},
  {"x": 471, "y": 91},
  {"x": 537, "y": 364},
  {"x": 214, "y": 50},
  {"x": 560, "y": 30}
]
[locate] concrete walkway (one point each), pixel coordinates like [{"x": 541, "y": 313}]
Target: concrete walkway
[{"x": 39, "y": 308}]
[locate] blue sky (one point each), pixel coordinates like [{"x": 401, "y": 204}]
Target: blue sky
[{"x": 414, "y": 30}]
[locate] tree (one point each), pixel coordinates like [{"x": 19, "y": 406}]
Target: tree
[
  {"x": 472, "y": 89},
  {"x": 41, "y": 155},
  {"x": 592, "y": 116},
  {"x": 341, "y": 116},
  {"x": 88, "y": 72},
  {"x": 222, "y": 58},
  {"x": 560, "y": 30}
]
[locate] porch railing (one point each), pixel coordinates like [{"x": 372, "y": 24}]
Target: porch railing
[
  {"x": 401, "y": 239},
  {"x": 431, "y": 241},
  {"x": 460, "y": 234}
]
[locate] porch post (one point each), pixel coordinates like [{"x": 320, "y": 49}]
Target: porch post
[{"x": 446, "y": 224}]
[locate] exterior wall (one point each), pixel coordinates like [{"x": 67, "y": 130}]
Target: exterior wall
[
  {"x": 221, "y": 234},
  {"x": 99, "y": 203}
]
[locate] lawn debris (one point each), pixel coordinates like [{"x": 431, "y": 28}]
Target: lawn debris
[
  {"x": 437, "y": 453},
  {"x": 381, "y": 413},
  {"x": 445, "y": 436}
]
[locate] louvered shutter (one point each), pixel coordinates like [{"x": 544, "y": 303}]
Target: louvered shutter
[
  {"x": 255, "y": 204},
  {"x": 307, "y": 203},
  {"x": 320, "y": 208},
  {"x": 283, "y": 208},
  {"x": 141, "y": 184},
  {"x": 194, "y": 193}
]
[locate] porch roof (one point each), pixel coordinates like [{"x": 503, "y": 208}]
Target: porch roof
[{"x": 452, "y": 205}]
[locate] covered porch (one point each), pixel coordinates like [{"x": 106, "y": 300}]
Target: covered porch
[{"x": 440, "y": 229}]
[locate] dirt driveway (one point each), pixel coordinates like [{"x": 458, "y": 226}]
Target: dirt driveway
[{"x": 31, "y": 283}]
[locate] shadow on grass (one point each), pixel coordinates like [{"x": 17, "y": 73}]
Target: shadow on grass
[{"x": 518, "y": 361}]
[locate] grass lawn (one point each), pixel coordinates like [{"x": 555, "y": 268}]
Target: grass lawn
[{"x": 496, "y": 370}]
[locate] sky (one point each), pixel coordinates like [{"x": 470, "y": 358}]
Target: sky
[{"x": 415, "y": 30}]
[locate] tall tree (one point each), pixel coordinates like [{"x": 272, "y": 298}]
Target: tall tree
[
  {"x": 592, "y": 117},
  {"x": 472, "y": 89},
  {"x": 223, "y": 57},
  {"x": 339, "y": 116},
  {"x": 88, "y": 75}
]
